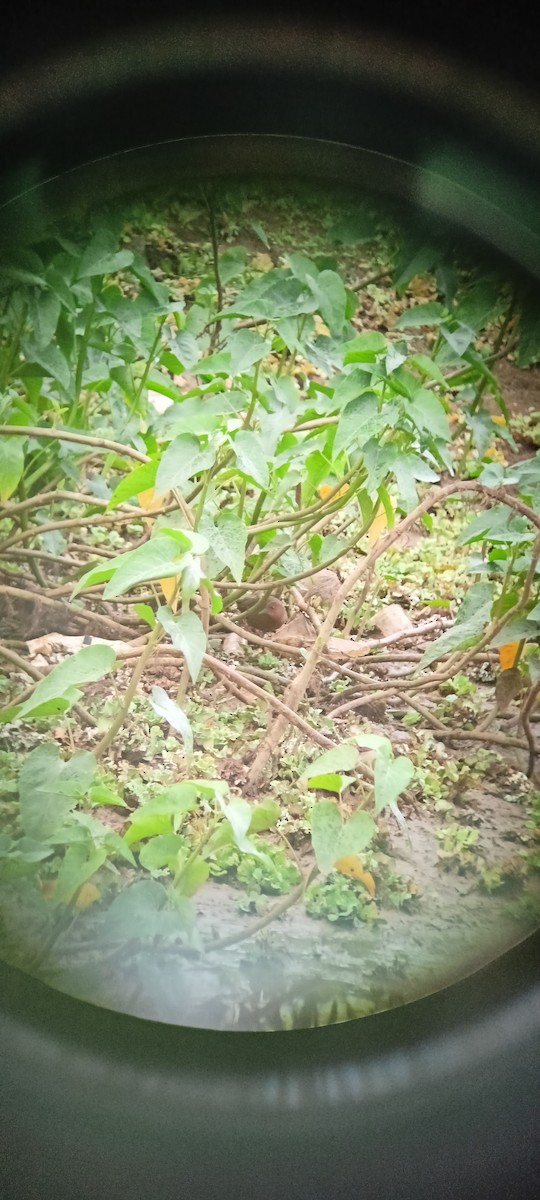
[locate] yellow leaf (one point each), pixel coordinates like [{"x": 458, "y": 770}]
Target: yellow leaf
[
  {"x": 507, "y": 655},
  {"x": 88, "y": 895},
  {"x": 379, "y": 525},
  {"x": 320, "y": 328},
  {"x": 168, "y": 587},
  {"x": 324, "y": 490},
  {"x": 351, "y": 866},
  {"x": 499, "y": 419},
  {"x": 149, "y": 501},
  {"x": 262, "y": 261}
]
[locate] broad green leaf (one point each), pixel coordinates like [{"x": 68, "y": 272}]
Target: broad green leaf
[
  {"x": 458, "y": 339},
  {"x": 392, "y": 777},
  {"x": 331, "y": 296},
  {"x": 431, "y": 313},
  {"x": 232, "y": 263},
  {"x": 101, "y": 794},
  {"x": 86, "y": 665},
  {"x": 140, "y": 911},
  {"x": 44, "y": 314},
  {"x": 497, "y": 525},
  {"x": 471, "y": 619},
  {"x": 520, "y": 629},
  {"x": 264, "y": 816},
  {"x": 428, "y": 367},
  {"x": 428, "y": 414},
  {"x": 187, "y": 635},
  {"x": 193, "y": 878},
  {"x": 11, "y": 465},
  {"x": 167, "y": 708},
  {"x": 147, "y": 825},
  {"x": 162, "y": 851},
  {"x": 183, "y": 459},
  {"x": 185, "y": 347},
  {"x": 160, "y": 558},
  {"x": 146, "y": 614},
  {"x": 364, "y": 348},
  {"x": 239, "y": 815},
  {"x": 356, "y": 834},
  {"x": 272, "y": 296},
  {"x": 51, "y": 361},
  {"x": 246, "y": 347},
  {"x": 342, "y": 758},
  {"x": 329, "y": 782},
  {"x": 78, "y": 865},
  {"x": 250, "y": 457},
  {"x": 408, "y": 468},
  {"x": 353, "y": 229},
  {"x": 102, "y": 256},
  {"x": 360, "y": 420},
  {"x": 49, "y": 788},
  {"x": 326, "y": 830},
  {"x": 228, "y": 539},
  {"x": 139, "y": 480}
]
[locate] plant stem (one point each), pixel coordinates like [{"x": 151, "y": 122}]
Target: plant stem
[{"x": 116, "y": 725}]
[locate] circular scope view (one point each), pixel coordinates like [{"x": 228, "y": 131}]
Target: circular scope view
[{"x": 269, "y": 607}]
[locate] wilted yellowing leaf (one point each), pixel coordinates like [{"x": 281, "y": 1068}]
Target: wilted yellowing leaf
[
  {"x": 379, "y": 525},
  {"x": 88, "y": 895},
  {"x": 499, "y": 419},
  {"x": 351, "y": 866},
  {"x": 507, "y": 655},
  {"x": 320, "y": 328},
  {"x": 149, "y": 501},
  {"x": 324, "y": 490}
]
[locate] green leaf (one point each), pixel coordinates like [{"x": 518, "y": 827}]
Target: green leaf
[
  {"x": 86, "y": 665},
  {"x": 162, "y": 851},
  {"x": 326, "y": 829},
  {"x": 497, "y": 525},
  {"x": 193, "y": 878},
  {"x": 140, "y": 911},
  {"x": 146, "y": 614},
  {"x": 228, "y": 540},
  {"x": 187, "y": 635},
  {"x": 80, "y": 862},
  {"x": 432, "y": 313},
  {"x": 330, "y": 293},
  {"x": 250, "y": 457},
  {"x": 360, "y": 420},
  {"x": 181, "y": 461},
  {"x": 272, "y": 296},
  {"x": 246, "y": 347},
  {"x": 520, "y": 629},
  {"x": 353, "y": 229},
  {"x": 51, "y": 361},
  {"x": 167, "y": 708},
  {"x": 427, "y": 367},
  {"x": 163, "y": 557},
  {"x": 139, "y": 480},
  {"x": 264, "y": 816},
  {"x": 329, "y": 782},
  {"x": 102, "y": 257},
  {"x": 342, "y": 758},
  {"x": 364, "y": 348},
  {"x": 49, "y": 788},
  {"x": 239, "y": 815},
  {"x": 471, "y": 619},
  {"x": 101, "y": 794},
  {"x": 428, "y": 414},
  {"x": 11, "y": 465},
  {"x": 232, "y": 263},
  {"x": 356, "y": 834},
  {"x": 392, "y": 777}
]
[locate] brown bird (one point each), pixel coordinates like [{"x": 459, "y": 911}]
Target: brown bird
[{"x": 269, "y": 618}]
